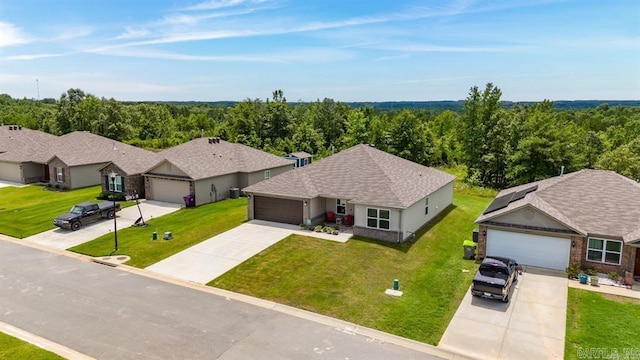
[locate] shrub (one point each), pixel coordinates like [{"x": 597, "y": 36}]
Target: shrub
[
  {"x": 318, "y": 228},
  {"x": 573, "y": 270},
  {"x": 613, "y": 276},
  {"x": 591, "y": 271}
]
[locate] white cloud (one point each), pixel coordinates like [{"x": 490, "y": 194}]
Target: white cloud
[
  {"x": 11, "y": 35},
  {"x": 220, "y": 4}
]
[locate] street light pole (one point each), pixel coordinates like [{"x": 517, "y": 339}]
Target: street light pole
[{"x": 113, "y": 176}]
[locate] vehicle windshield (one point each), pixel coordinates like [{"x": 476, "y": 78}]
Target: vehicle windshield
[
  {"x": 494, "y": 272},
  {"x": 76, "y": 209}
]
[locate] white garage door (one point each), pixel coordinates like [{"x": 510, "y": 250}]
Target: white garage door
[
  {"x": 10, "y": 172},
  {"x": 171, "y": 191},
  {"x": 536, "y": 250}
]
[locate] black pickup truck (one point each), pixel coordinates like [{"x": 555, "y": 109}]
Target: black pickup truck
[
  {"x": 86, "y": 212},
  {"x": 495, "y": 278}
]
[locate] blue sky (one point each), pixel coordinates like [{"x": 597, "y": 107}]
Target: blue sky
[{"x": 374, "y": 50}]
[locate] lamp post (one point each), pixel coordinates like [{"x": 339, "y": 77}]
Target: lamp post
[{"x": 113, "y": 176}]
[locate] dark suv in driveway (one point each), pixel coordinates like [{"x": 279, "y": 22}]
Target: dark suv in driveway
[{"x": 495, "y": 278}]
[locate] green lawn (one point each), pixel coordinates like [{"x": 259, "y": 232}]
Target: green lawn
[
  {"x": 348, "y": 280},
  {"x": 189, "y": 226},
  {"x": 13, "y": 348},
  {"x": 30, "y": 210},
  {"x": 599, "y": 321}
]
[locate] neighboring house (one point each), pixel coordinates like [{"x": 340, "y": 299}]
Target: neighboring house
[
  {"x": 24, "y": 154},
  {"x": 128, "y": 180},
  {"x": 591, "y": 217},
  {"x": 389, "y": 198},
  {"x": 299, "y": 158},
  {"x": 209, "y": 168},
  {"x": 80, "y": 156}
]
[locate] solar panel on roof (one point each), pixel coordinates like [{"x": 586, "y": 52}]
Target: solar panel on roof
[
  {"x": 500, "y": 202},
  {"x": 522, "y": 193}
]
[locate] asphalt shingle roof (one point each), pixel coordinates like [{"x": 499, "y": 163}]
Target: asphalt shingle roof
[
  {"x": 589, "y": 201},
  {"x": 24, "y": 145},
  {"x": 200, "y": 159},
  {"x": 82, "y": 148},
  {"x": 362, "y": 174}
]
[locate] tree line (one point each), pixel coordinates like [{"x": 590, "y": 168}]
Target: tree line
[{"x": 499, "y": 145}]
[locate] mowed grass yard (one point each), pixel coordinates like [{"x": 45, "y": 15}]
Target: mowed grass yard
[
  {"x": 189, "y": 227},
  {"x": 348, "y": 280},
  {"x": 13, "y": 348},
  {"x": 29, "y": 210},
  {"x": 601, "y": 321}
]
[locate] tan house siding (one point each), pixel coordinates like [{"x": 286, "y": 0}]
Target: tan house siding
[
  {"x": 223, "y": 185},
  {"x": 85, "y": 175},
  {"x": 10, "y": 172},
  {"x": 531, "y": 217},
  {"x": 166, "y": 168},
  {"x": 32, "y": 172}
]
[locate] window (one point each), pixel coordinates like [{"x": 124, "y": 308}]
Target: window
[
  {"x": 426, "y": 206},
  {"x": 604, "y": 251},
  {"x": 59, "y": 174},
  {"x": 267, "y": 174},
  {"x": 341, "y": 206},
  {"x": 118, "y": 183},
  {"x": 378, "y": 218}
]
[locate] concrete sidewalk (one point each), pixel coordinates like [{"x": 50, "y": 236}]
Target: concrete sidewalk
[
  {"x": 64, "y": 239},
  {"x": 211, "y": 258}
]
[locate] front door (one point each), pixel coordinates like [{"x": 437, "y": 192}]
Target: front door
[
  {"x": 46, "y": 173},
  {"x": 636, "y": 269}
]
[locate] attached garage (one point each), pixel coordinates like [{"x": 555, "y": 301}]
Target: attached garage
[
  {"x": 277, "y": 210},
  {"x": 167, "y": 190},
  {"x": 528, "y": 249},
  {"x": 10, "y": 172}
]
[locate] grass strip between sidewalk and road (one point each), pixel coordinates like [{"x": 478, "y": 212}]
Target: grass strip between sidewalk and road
[
  {"x": 14, "y": 348},
  {"x": 189, "y": 227},
  {"x": 348, "y": 280},
  {"x": 601, "y": 322}
]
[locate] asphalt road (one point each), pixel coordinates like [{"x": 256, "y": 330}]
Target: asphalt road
[{"x": 108, "y": 313}]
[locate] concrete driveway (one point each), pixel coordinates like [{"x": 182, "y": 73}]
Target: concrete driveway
[
  {"x": 531, "y": 326},
  {"x": 64, "y": 239},
  {"x": 211, "y": 258}
]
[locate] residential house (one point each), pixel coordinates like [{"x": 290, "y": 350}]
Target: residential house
[
  {"x": 591, "y": 217},
  {"x": 80, "y": 156},
  {"x": 299, "y": 158},
  {"x": 210, "y": 169},
  {"x": 388, "y": 198},
  {"x": 24, "y": 154}
]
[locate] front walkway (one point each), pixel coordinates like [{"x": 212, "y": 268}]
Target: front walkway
[
  {"x": 211, "y": 258},
  {"x": 634, "y": 292}
]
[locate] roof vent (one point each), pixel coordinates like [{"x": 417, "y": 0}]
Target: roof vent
[
  {"x": 114, "y": 146},
  {"x": 19, "y": 127},
  {"x": 210, "y": 140},
  {"x": 10, "y": 127}
]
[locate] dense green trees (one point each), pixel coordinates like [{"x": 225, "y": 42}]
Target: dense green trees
[{"x": 499, "y": 146}]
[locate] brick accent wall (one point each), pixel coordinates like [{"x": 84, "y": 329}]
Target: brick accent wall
[
  {"x": 53, "y": 180},
  {"x": 579, "y": 254},
  {"x": 131, "y": 183},
  {"x": 389, "y": 236},
  {"x": 482, "y": 241}
]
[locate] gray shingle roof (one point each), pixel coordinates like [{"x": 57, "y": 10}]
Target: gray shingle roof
[
  {"x": 362, "y": 174},
  {"x": 200, "y": 159},
  {"x": 82, "y": 148},
  {"x": 589, "y": 201},
  {"x": 25, "y": 145},
  {"x": 300, "y": 154}
]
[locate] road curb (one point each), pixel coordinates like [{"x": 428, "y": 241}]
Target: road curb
[{"x": 43, "y": 343}]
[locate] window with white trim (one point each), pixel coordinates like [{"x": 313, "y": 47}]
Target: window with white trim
[
  {"x": 267, "y": 174},
  {"x": 426, "y": 206},
  {"x": 378, "y": 218},
  {"x": 604, "y": 251},
  {"x": 59, "y": 174},
  {"x": 341, "y": 206},
  {"x": 118, "y": 183}
]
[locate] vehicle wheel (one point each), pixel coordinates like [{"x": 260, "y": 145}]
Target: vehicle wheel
[
  {"x": 111, "y": 214},
  {"x": 76, "y": 225},
  {"x": 506, "y": 299}
]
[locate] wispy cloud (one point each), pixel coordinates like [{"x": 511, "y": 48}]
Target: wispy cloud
[
  {"x": 12, "y": 35},
  {"x": 220, "y": 4}
]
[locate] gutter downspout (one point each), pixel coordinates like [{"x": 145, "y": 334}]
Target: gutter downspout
[{"x": 399, "y": 226}]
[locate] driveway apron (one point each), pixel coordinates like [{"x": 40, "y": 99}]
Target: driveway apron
[
  {"x": 531, "y": 326},
  {"x": 209, "y": 259},
  {"x": 64, "y": 239}
]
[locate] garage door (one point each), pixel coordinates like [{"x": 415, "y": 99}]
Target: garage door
[
  {"x": 10, "y": 172},
  {"x": 278, "y": 210},
  {"x": 171, "y": 191},
  {"x": 536, "y": 250}
]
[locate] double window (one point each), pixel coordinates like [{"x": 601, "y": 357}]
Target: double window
[
  {"x": 118, "y": 184},
  {"x": 378, "y": 218},
  {"x": 341, "y": 206},
  {"x": 604, "y": 251}
]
